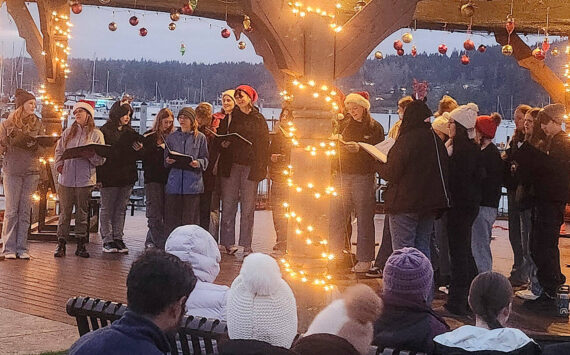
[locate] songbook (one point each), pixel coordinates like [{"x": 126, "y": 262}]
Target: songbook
[
  {"x": 380, "y": 150},
  {"x": 230, "y": 136},
  {"x": 102, "y": 150},
  {"x": 182, "y": 161}
]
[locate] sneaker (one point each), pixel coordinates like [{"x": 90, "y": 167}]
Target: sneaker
[
  {"x": 121, "y": 247},
  {"x": 247, "y": 251},
  {"x": 231, "y": 250},
  {"x": 444, "y": 289},
  {"x": 24, "y": 256},
  {"x": 374, "y": 273},
  {"x": 543, "y": 304},
  {"x": 10, "y": 256},
  {"x": 527, "y": 295},
  {"x": 110, "y": 247},
  {"x": 361, "y": 267}
]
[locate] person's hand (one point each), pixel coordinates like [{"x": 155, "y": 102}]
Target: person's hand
[
  {"x": 170, "y": 161},
  {"x": 195, "y": 164},
  {"x": 275, "y": 157},
  {"x": 226, "y": 144},
  {"x": 60, "y": 168},
  {"x": 514, "y": 167},
  {"x": 137, "y": 146},
  {"x": 352, "y": 147}
]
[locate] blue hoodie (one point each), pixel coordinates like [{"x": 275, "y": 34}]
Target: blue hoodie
[{"x": 187, "y": 181}]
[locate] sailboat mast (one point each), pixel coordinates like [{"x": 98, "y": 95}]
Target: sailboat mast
[
  {"x": 22, "y": 66},
  {"x": 93, "y": 76},
  {"x": 107, "y": 83}
]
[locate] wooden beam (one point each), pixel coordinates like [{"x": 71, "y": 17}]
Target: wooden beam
[{"x": 361, "y": 34}]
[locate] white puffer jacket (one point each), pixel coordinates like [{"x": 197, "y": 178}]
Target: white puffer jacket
[{"x": 194, "y": 245}]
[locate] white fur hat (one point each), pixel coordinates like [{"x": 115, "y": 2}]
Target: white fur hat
[
  {"x": 441, "y": 123},
  {"x": 86, "y": 106},
  {"x": 360, "y": 98},
  {"x": 261, "y": 305},
  {"x": 466, "y": 115},
  {"x": 350, "y": 317}
]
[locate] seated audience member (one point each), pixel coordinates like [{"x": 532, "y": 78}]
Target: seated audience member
[
  {"x": 349, "y": 319},
  {"x": 158, "y": 285},
  {"x": 195, "y": 246},
  {"x": 407, "y": 321},
  {"x": 261, "y": 308},
  {"x": 490, "y": 298}
]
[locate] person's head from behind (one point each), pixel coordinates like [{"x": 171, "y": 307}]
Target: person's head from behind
[
  {"x": 158, "y": 285},
  {"x": 204, "y": 114},
  {"x": 407, "y": 276},
  {"x": 519, "y": 114},
  {"x": 490, "y": 298},
  {"x": 446, "y": 104},
  {"x": 417, "y": 115},
  {"x": 403, "y": 104},
  {"x": 551, "y": 118}
]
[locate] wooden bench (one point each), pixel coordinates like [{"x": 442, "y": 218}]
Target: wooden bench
[
  {"x": 388, "y": 351},
  {"x": 202, "y": 334}
]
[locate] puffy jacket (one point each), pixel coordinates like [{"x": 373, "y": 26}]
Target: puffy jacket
[
  {"x": 194, "y": 245},
  {"x": 19, "y": 161},
  {"x": 120, "y": 167},
  {"x": 187, "y": 181},
  {"x": 78, "y": 172}
]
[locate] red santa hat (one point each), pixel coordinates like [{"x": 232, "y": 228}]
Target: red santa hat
[{"x": 361, "y": 98}]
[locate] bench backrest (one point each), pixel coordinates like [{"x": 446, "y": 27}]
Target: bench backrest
[
  {"x": 196, "y": 335},
  {"x": 388, "y": 351}
]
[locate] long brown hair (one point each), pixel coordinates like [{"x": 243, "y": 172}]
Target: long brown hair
[
  {"x": 161, "y": 115},
  {"x": 489, "y": 294},
  {"x": 75, "y": 127},
  {"x": 19, "y": 120},
  {"x": 537, "y": 139}
]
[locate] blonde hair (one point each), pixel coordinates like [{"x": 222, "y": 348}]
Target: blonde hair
[
  {"x": 405, "y": 101},
  {"x": 446, "y": 104}
]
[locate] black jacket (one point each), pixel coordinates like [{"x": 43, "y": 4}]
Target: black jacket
[
  {"x": 360, "y": 162},
  {"x": 492, "y": 179},
  {"x": 252, "y": 127},
  {"x": 153, "y": 160},
  {"x": 280, "y": 144},
  {"x": 465, "y": 172},
  {"x": 120, "y": 168},
  {"x": 511, "y": 180}
]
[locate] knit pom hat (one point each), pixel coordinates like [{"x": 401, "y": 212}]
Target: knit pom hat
[
  {"x": 487, "y": 125},
  {"x": 466, "y": 115},
  {"x": 361, "y": 98},
  {"x": 441, "y": 123},
  {"x": 229, "y": 93},
  {"x": 119, "y": 110},
  {"x": 555, "y": 112},
  {"x": 249, "y": 91},
  {"x": 188, "y": 112},
  {"x": 22, "y": 96},
  {"x": 408, "y": 274},
  {"x": 350, "y": 317},
  {"x": 86, "y": 106},
  {"x": 261, "y": 305}
]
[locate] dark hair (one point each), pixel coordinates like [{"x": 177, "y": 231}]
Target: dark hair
[
  {"x": 489, "y": 293},
  {"x": 156, "y": 280},
  {"x": 538, "y": 138},
  {"x": 119, "y": 110}
]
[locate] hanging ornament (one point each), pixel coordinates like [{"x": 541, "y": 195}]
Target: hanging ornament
[
  {"x": 398, "y": 44},
  {"x": 538, "y": 54},
  {"x": 143, "y": 32},
  {"x": 467, "y": 10},
  {"x": 172, "y": 26},
  {"x": 76, "y": 8},
  {"x": 464, "y": 59},
  {"x": 507, "y": 49},
  {"x": 414, "y": 51},
  {"x": 554, "y": 52},
  {"x": 482, "y": 48},
  {"x": 226, "y": 33},
  {"x": 175, "y": 15},
  {"x": 104, "y": 2},
  {"x": 545, "y": 45},
  {"x": 469, "y": 45},
  {"x": 407, "y": 37},
  {"x": 378, "y": 55},
  {"x": 510, "y": 24},
  {"x": 134, "y": 20},
  {"x": 189, "y": 7},
  {"x": 182, "y": 49},
  {"x": 400, "y": 52},
  {"x": 442, "y": 48},
  {"x": 241, "y": 45},
  {"x": 359, "y": 6},
  {"x": 246, "y": 23},
  {"x": 112, "y": 26}
]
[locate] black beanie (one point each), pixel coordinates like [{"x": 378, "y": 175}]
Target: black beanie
[
  {"x": 117, "y": 111},
  {"x": 22, "y": 96}
]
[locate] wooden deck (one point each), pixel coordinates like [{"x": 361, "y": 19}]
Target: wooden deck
[{"x": 42, "y": 285}]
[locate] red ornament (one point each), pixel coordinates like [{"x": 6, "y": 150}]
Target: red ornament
[
  {"x": 482, "y": 48},
  {"x": 442, "y": 49},
  {"x": 76, "y": 8},
  {"x": 414, "y": 51},
  {"x": 143, "y": 32},
  {"x": 226, "y": 33},
  {"x": 464, "y": 59},
  {"x": 469, "y": 45},
  {"x": 400, "y": 52},
  {"x": 538, "y": 54},
  {"x": 187, "y": 9},
  {"x": 398, "y": 45},
  {"x": 545, "y": 45},
  {"x": 134, "y": 21},
  {"x": 510, "y": 25}
]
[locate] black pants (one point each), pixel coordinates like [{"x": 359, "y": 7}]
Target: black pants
[
  {"x": 463, "y": 269},
  {"x": 205, "y": 204},
  {"x": 386, "y": 247},
  {"x": 547, "y": 217}
]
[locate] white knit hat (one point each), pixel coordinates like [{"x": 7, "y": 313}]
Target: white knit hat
[
  {"x": 466, "y": 115},
  {"x": 350, "y": 317},
  {"x": 261, "y": 306},
  {"x": 86, "y": 106},
  {"x": 441, "y": 123},
  {"x": 229, "y": 93},
  {"x": 361, "y": 98}
]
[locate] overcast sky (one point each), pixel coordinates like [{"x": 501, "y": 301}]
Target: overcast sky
[{"x": 204, "y": 44}]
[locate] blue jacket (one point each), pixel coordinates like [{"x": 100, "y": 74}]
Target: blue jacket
[
  {"x": 132, "y": 334},
  {"x": 187, "y": 181}
]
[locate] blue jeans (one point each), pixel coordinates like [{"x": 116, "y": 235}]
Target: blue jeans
[
  {"x": 18, "y": 190},
  {"x": 355, "y": 192},
  {"x": 237, "y": 188},
  {"x": 114, "y": 201},
  {"x": 412, "y": 230},
  {"x": 481, "y": 238}
]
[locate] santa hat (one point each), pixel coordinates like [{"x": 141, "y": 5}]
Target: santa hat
[
  {"x": 487, "y": 125},
  {"x": 407, "y": 275},
  {"x": 260, "y": 304},
  {"x": 86, "y": 106},
  {"x": 350, "y": 317},
  {"x": 229, "y": 93},
  {"x": 441, "y": 123},
  {"x": 22, "y": 96},
  {"x": 249, "y": 91},
  {"x": 466, "y": 115},
  {"x": 361, "y": 98},
  {"x": 555, "y": 112}
]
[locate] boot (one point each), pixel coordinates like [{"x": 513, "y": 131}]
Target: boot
[
  {"x": 60, "y": 250},
  {"x": 81, "y": 251}
]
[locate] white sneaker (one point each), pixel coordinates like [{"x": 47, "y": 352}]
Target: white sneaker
[
  {"x": 526, "y": 295},
  {"x": 10, "y": 256},
  {"x": 362, "y": 267},
  {"x": 444, "y": 289},
  {"x": 24, "y": 256}
]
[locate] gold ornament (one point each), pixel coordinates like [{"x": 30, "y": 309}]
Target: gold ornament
[
  {"x": 407, "y": 37},
  {"x": 467, "y": 10},
  {"x": 507, "y": 50},
  {"x": 378, "y": 55},
  {"x": 172, "y": 26},
  {"x": 175, "y": 15},
  {"x": 246, "y": 23},
  {"x": 241, "y": 45},
  {"x": 555, "y": 52}
]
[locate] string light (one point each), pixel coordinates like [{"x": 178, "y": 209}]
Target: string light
[
  {"x": 301, "y": 10},
  {"x": 319, "y": 91}
]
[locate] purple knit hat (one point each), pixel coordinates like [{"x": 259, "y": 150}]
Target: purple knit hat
[{"x": 408, "y": 274}]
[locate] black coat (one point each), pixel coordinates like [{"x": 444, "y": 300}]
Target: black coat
[
  {"x": 120, "y": 168},
  {"x": 360, "y": 162},
  {"x": 492, "y": 179},
  {"x": 253, "y": 127},
  {"x": 280, "y": 144},
  {"x": 417, "y": 174},
  {"x": 153, "y": 160},
  {"x": 465, "y": 172}
]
